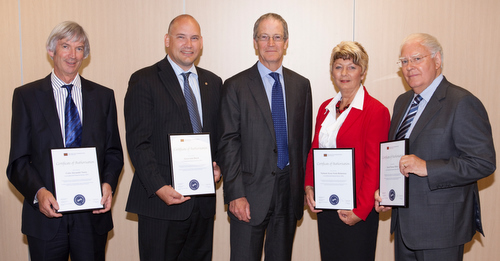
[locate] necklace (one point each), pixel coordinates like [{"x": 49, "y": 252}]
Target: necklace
[{"x": 337, "y": 107}]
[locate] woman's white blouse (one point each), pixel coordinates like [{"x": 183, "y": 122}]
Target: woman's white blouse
[{"x": 330, "y": 127}]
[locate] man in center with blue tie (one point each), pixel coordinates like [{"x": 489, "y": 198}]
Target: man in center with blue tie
[{"x": 266, "y": 121}]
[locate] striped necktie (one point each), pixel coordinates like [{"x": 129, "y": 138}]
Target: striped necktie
[
  {"x": 194, "y": 114},
  {"x": 409, "y": 118}
]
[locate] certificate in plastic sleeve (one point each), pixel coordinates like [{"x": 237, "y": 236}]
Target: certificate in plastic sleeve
[
  {"x": 334, "y": 178},
  {"x": 393, "y": 184},
  {"x": 192, "y": 170},
  {"x": 76, "y": 179}
]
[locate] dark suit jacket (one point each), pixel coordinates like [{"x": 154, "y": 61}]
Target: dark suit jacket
[
  {"x": 453, "y": 135},
  {"x": 155, "y": 107},
  {"x": 36, "y": 130},
  {"x": 247, "y": 149}
]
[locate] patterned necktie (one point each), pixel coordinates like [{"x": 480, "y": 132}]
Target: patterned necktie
[
  {"x": 73, "y": 125},
  {"x": 409, "y": 118},
  {"x": 194, "y": 114},
  {"x": 279, "y": 121}
]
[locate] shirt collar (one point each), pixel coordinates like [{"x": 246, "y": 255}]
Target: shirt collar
[
  {"x": 357, "y": 102},
  {"x": 429, "y": 91},
  {"x": 264, "y": 71},
  {"x": 58, "y": 83},
  {"x": 178, "y": 70}
]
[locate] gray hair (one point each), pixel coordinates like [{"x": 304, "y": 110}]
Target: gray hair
[
  {"x": 71, "y": 31},
  {"x": 270, "y": 16},
  {"x": 428, "y": 41}
]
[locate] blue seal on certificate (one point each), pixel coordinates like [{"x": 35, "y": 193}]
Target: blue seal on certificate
[
  {"x": 194, "y": 184},
  {"x": 334, "y": 199},
  {"x": 79, "y": 200},
  {"x": 392, "y": 194}
]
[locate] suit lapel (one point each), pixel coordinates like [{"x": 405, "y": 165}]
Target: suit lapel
[
  {"x": 353, "y": 116},
  {"x": 258, "y": 91},
  {"x": 205, "y": 94},
  {"x": 170, "y": 82},
  {"x": 432, "y": 107},
  {"x": 88, "y": 108},
  {"x": 45, "y": 98},
  {"x": 399, "y": 113}
]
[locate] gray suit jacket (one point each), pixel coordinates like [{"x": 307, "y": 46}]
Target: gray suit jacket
[
  {"x": 453, "y": 135},
  {"x": 247, "y": 149}
]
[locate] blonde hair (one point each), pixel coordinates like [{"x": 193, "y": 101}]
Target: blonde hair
[{"x": 350, "y": 50}]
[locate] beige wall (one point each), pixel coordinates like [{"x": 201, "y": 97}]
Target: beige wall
[{"x": 127, "y": 35}]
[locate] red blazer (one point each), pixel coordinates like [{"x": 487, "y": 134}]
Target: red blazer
[{"x": 362, "y": 130}]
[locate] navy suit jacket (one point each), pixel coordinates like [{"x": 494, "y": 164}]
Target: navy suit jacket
[
  {"x": 154, "y": 108},
  {"x": 453, "y": 135},
  {"x": 36, "y": 130}
]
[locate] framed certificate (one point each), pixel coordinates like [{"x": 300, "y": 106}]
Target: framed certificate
[
  {"x": 76, "y": 179},
  {"x": 393, "y": 184},
  {"x": 334, "y": 178},
  {"x": 192, "y": 170}
]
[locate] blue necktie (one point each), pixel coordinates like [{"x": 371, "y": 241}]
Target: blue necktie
[
  {"x": 194, "y": 114},
  {"x": 409, "y": 118},
  {"x": 279, "y": 121},
  {"x": 73, "y": 125}
]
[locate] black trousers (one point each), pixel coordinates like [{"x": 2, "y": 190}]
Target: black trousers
[
  {"x": 176, "y": 240},
  {"x": 339, "y": 241},
  {"x": 278, "y": 228},
  {"x": 76, "y": 237}
]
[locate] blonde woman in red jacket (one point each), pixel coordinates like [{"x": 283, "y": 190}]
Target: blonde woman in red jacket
[{"x": 352, "y": 119}]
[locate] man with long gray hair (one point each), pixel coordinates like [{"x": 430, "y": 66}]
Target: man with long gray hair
[{"x": 64, "y": 110}]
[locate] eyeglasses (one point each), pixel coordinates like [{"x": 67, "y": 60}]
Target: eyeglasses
[
  {"x": 417, "y": 59},
  {"x": 266, "y": 38}
]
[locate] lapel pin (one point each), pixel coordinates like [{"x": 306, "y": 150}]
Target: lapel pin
[{"x": 206, "y": 83}]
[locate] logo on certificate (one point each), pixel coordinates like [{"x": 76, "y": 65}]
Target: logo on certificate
[
  {"x": 334, "y": 199},
  {"x": 392, "y": 194},
  {"x": 194, "y": 184},
  {"x": 79, "y": 199}
]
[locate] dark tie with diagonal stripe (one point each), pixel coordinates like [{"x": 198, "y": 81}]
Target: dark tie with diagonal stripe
[
  {"x": 73, "y": 125},
  {"x": 409, "y": 118},
  {"x": 194, "y": 114},
  {"x": 279, "y": 121}
]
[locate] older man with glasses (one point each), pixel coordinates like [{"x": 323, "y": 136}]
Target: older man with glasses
[{"x": 451, "y": 148}]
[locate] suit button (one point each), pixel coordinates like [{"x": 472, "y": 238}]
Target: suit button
[
  {"x": 275, "y": 150},
  {"x": 273, "y": 173}
]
